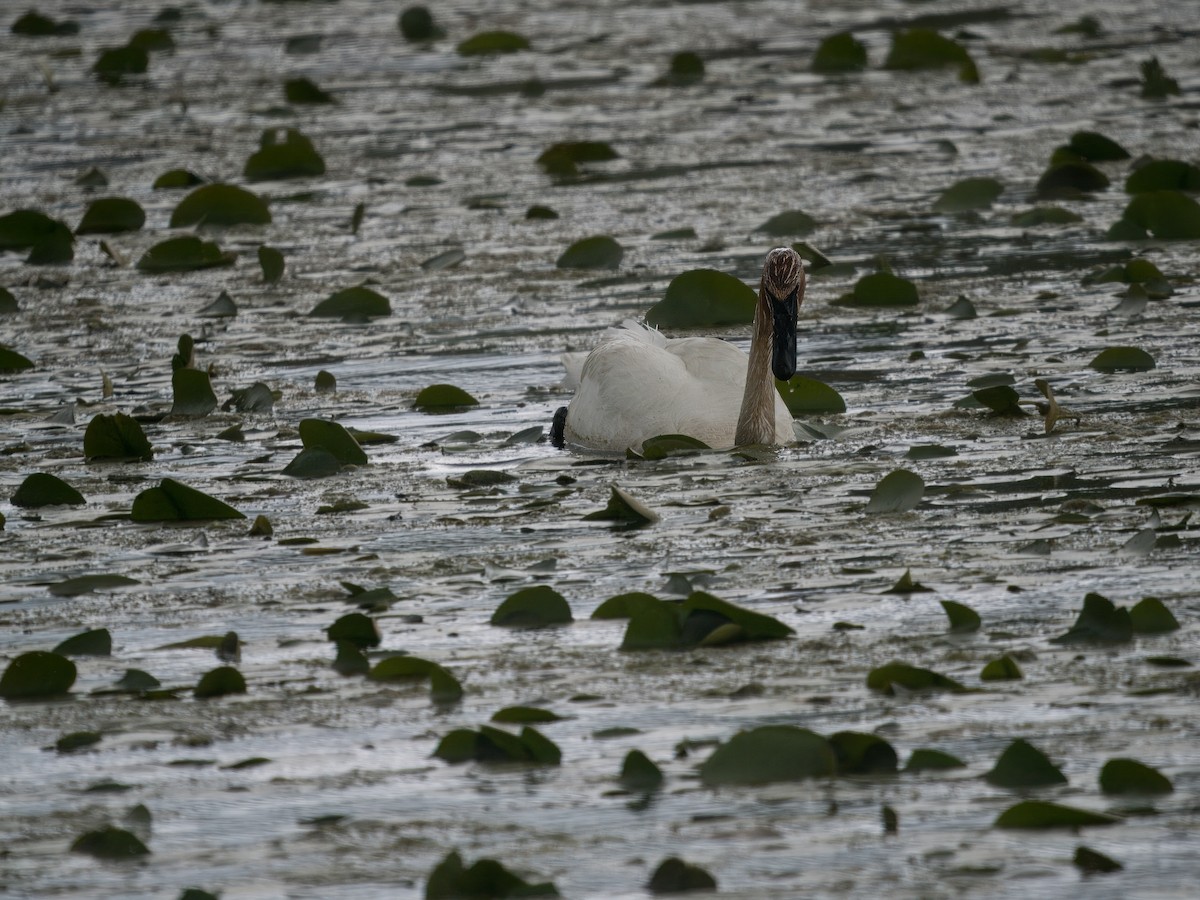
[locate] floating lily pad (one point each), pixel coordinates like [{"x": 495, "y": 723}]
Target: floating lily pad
[
  {"x": 480, "y": 478},
  {"x": 565, "y": 157},
  {"x": 1091, "y": 861},
  {"x": 357, "y": 303},
  {"x": 768, "y": 754},
  {"x": 805, "y": 396},
  {"x": 492, "y": 42},
  {"x": 686, "y": 69},
  {"x": 654, "y": 625},
  {"x": 1001, "y": 399},
  {"x": 284, "y": 153},
  {"x": 417, "y": 24},
  {"x": 37, "y": 674},
  {"x": 1035, "y": 814},
  {"x": 175, "y": 502},
  {"x": 1156, "y": 83},
  {"x": 639, "y": 772},
  {"x": 906, "y": 584},
  {"x": 926, "y": 760},
  {"x": 674, "y": 876},
  {"x": 258, "y": 398},
  {"x": 8, "y": 303},
  {"x": 533, "y": 607},
  {"x": 356, "y": 629},
  {"x": 43, "y": 489},
  {"x": 703, "y": 298},
  {"x": 1022, "y": 765},
  {"x": 524, "y": 715},
  {"x": 538, "y": 211},
  {"x": 1148, "y": 616},
  {"x": 135, "y": 681},
  {"x": 962, "y": 617},
  {"x": 1045, "y": 215},
  {"x": 1167, "y": 215},
  {"x": 443, "y": 687},
  {"x": 624, "y": 509},
  {"x": 34, "y": 24},
  {"x": 599, "y": 252},
  {"x": 1070, "y": 180},
  {"x": 220, "y": 308},
  {"x": 1113, "y": 359},
  {"x": 1163, "y": 175},
  {"x": 841, "y": 52},
  {"x": 111, "y": 215},
  {"x": 220, "y": 204},
  {"x": 116, "y": 436},
  {"x": 623, "y": 606},
  {"x": 494, "y": 745},
  {"x": 1099, "y": 621},
  {"x": 48, "y": 240},
  {"x": 77, "y": 740},
  {"x": 1096, "y": 147},
  {"x": 86, "y": 584},
  {"x": 192, "y": 392},
  {"x": 451, "y": 879},
  {"x": 930, "y": 451},
  {"x": 12, "y": 361},
  {"x": 110, "y": 842},
  {"x": 315, "y": 463},
  {"x": 152, "y": 40},
  {"x": 968, "y": 195},
  {"x": 115, "y": 63},
  {"x": 859, "y": 753},
  {"x": 443, "y": 398},
  {"x": 176, "y": 178},
  {"x": 219, "y": 682},
  {"x": 322, "y": 434},
  {"x": 184, "y": 254},
  {"x": 271, "y": 262},
  {"x": 898, "y": 491},
  {"x": 754, "y": 626},
  {"x": 304, "y": 91},
  {"x": 881, "y": 289},
  {"x": 792, "y": 223},
  {"x": 1128, "y": 776},
  {"x": 94, "y": 642},
  {"x": 887, "y": 678},
  {"x": 1003, "y": 668},
  {"x": 924, "y": 48}
]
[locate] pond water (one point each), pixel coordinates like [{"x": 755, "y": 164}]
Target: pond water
[{"x": 343, "y": 797}]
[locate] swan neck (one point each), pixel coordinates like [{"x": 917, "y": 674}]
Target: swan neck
[{"x": 756, "y": 421}]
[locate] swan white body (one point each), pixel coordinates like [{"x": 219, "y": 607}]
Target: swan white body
[{"x": 637, "y": 384}]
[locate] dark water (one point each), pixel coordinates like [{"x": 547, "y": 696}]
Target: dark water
[{"x": 1017, "y": 525}]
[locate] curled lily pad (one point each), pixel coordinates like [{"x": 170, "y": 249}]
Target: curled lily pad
[
  {"x": 1113, "y": 359},
  {"x": 37, "y": 674},
  {"x": 1022, "y": 765},
  {"x": 906, "y": 584},
  {"x": 887, "y": 678},
  {"x": 1003, "y": 668},
  {"x": 220, "y": 682},
  {"x": 639, "y": 772},
  {"x": 452, "y": 879},
  {"x": 94, "y": 642},
  {"x": 968, "y": 194},
  {"x": 898, "y": 491},
  {"x": 768, "y": 754},
  {"x": 1128, "y": 776},
  {"x": 284, "y": 153},
  {"x": 487, "y": 43},
  {"x": 533, "y": 607},
  {"x": 443, "y": 398},
  {"x": 111, "y": 215},
  {"x": 355, "y": 303},
  {"x": 220, "y": 204},
  {"x": 841, "y": 52},
  {"x": 192, "y": 392},
  {"x": 1036, "y": 814},
  {"x": 962, "y": 617},
  {"x": 110, "y": 842},
  {"x": 271, "y": 261},
  {"x": 703, "y": 298},
  {"x": 805, "y": 396},
  {"x": 43, "y": 489},
  {"x": 674, "y": 876},
  {"x": 599, "y": 252},
  {"x": 322, "y": 434},
  {"x": 184, "y": 254},
  {"x": 1099, "y": 621},
  {"x": 47, "y": 240},
  {"x": 356, "y": 629},
  {"x": 663, "y": 445},
  {"x": 175, "y": 502},
  {"x": 116, "y": 436},
  {"x": 495, "y": 745},
  {"x": 881, "y": 289},
  {"x": 1163, "y": 175}
]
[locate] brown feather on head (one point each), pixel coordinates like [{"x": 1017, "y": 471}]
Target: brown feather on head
[{"x": 783, "y": 273}]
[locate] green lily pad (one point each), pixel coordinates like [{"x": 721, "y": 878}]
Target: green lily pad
[
  {"x": 37, "y": 674},
  {"x": 1113, "y": 359},
  {"x": 924, "y": 48},
  {"x": 87, "y": 584},
  {"x": 220, "y": 204},
  {"x": 1091, "y": 861},
  {"x": 355, "y": 628},
  {"x": 356, "y": 303},
  {"x": 1128, "y": 776},
  {"x": 443, "y": 398},
  {"x": 34, "y": 24},
  {"x": 315, "y": 463},
  {"x": 754, "y": 626},
  {"x": 881, "y": 289},
  {"x": 841, "y": 52},
  {"x": 968, "y": 194},
  {"x": 186, "y": 253},
  {"x": 116, "y": 436},
  {"x": 1003, "y": 668},
  {"x": 443, "y": 687},
  {"x": 623, "y": 606},
  {"x": 152, "y": 40},
  {"x": 768, "y": 754},
  {"x": 487, "y": 43},
  {"x": 175, "y": 502},
  {"x": 703, "y": 298},
  {"x": 113, "y": 64},
  {"x": 451, "y": 879},
  {"x": 1022, "y": 765},
  {"x": 271, "y": 262},
  {"x": 304, "y": 91},
  {"x": 804, "y": 396},
  {"x": 1095, "y": 147},
  {"x": 1163, "y": 175},
  {"x": 565, "y": 157},
  {"x": 1148, "y": 616},
  {"x": 906, "y": 584},
  {"x": 8, "y": 303},
  {"x": 624, "y": 509},
  {"x": 792, "y": 223},
  {"x": 639, "y": 772},
  {"x": 599, "y": 252},
  {"x": 926, "y": 760},
  {"x": 192, "y": 392},
  {"x": 887, "y": 678},
  {"x": 94, "y": 642},
  {"x": 898, "y": 491},
  {"x": 135, "y": 681},
  {"x": 663, "y": 445},
  {"x": 962, "y": 617},
  {"x": 322, "y": 434},
  {"x": 523, "y": 715},
  {"x": 859, "y": 753},
  {"x": 258, "y": 398},
  {"x": 533, "y": 607},
  {"x": 930, "y": 451},
  {"x": 1070, "y": 180},
  {"x": 1167, "y": 215},
  {"x": 494, "y": 745},
  {"x": 674, "y": 876},
  {"x": 1156, "y": 83},
  {"x": 12, "y": 361},
  {"x": 686, "y": 69},
  {"x": 176, "y": 178},
  {"x": 43, "y": 489},
  {"x": 1001, "y": 399},
  {"x": 110, "y": 842},
  {"x": 48, "y": 240},
  {"x": 1032, "y": 814},
  {"x": 284, "y": 153},
  {"x": 417, "y": 25},
  {"x": 1098, "y": 621},
  {"x": 111, "y": 215},
  {"x": 1045, "y": 215},
  {"x": 77, "y": 740},
  {"x": 654, "y": 625},
  {"x": 219, "y": 682}
]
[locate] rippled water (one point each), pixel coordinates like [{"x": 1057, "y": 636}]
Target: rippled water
[{"x": 1017, "y": 525}]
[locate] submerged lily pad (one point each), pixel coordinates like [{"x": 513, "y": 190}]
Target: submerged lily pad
[
  {"x": 841, "y": 52},
  {"x": 1035, "y": 814},
  {"x": 184, "y": 254},
  {"x": 110, "y": 842},
  {"x": 37, "y": 674},
  {"x": 220, "y": 204},
  {"x": 355, "y": 303},
  {"x": 533, "y": 607},
  {"x": 175, "y": 502},
  {"x": 111, "y": 215},
  {"x": 491, "y": 42},
  {"x": 192, "y": 392},
  {"x": 881, "y": 289},
  {"x": 1099, "y": 621},
  {"x": 1128, "y": 776},
  {"x": 805, "y": 396},
  {"x": 116, "y": 436},
  {"x": 768, "y": 754},
  {"x": 284, "y": 153},
  {"x": 599, "y": 252},
  {"x": 1131, "y": 359},
  {"x": 1022, "y": 765},
  {"x": 451, "y": 879},
  {"x": 703, "y": 298},
  {"x": 443, "y": 398},
  {"x": 43, "y": 489},
  {"x": 887, "y": 678},
  {"x": 968, "y": 194},
  {"x": 898, "y": 491}
]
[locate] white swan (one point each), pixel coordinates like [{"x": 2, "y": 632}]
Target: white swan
[{"x": 637, "y": 384}]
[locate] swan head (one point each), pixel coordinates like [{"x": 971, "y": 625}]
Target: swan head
[{"x": 780, "y": 294}]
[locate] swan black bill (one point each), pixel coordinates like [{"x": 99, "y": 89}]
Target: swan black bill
[{"x": 784, "y": 314}]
